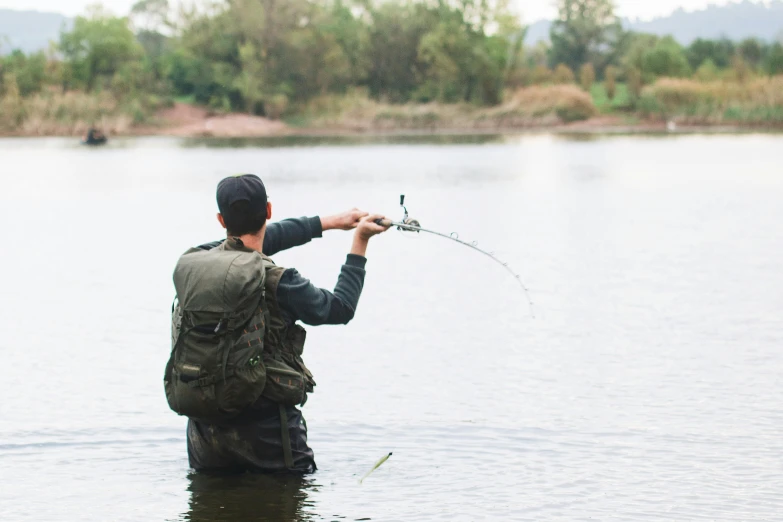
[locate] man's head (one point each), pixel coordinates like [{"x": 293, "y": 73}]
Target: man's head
[{"x": 243, "y": 204}]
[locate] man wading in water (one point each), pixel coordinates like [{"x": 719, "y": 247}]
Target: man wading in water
[{"x": 236, "y": 368}]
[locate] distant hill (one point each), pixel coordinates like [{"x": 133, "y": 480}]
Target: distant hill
[
  {"x": 736, "y": 21},
  {"x": 29, "y": 30}
]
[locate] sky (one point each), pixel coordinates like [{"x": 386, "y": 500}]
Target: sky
[{"x": 531, "y": 10}]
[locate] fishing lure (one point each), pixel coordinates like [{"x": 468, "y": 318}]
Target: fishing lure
[
  {"x": 377, "y": 465},
  {"x": 407, "y": 224}
]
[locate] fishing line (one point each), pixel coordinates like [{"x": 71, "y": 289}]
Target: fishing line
[{"x": 408, "y": 224}]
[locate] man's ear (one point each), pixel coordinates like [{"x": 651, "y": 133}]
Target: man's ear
[
  {"x": 222, "y": 221},
  {"x": 269, "y": 210}
]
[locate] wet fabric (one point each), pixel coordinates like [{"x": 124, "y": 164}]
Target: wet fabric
[{"x": 250, "y": 443}]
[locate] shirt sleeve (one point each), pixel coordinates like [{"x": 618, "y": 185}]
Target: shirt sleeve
[
  {"x": 300, "y": 300},
  {"x": 290, "y": 233},
  {"x": 285, "y": 234}
]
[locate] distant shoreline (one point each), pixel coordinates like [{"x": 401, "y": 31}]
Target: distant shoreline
[
  {"x": 190, "y": 121},
  {"x": 592, "y": 130}
]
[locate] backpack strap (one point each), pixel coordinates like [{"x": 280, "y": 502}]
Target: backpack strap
[
  {"x": 273, "y": 276},
  {"x": 286, "y": 438}
]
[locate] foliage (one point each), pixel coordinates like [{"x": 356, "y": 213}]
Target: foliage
[
  {"x": 97, "y": 48},
  {"x": 587, "y": 76},
  {"x": 461, "y": 59},
  {"x": 541, "y": 74},
  {"x": 563, "y": 74},
  {"x": 665, "y": 59},
  {"x": 751, "y": 51},
  {"x": 719, "y": 51},
  {"x": 610, "y": 82},
  {"x": 73, "y": 113},
  {"x": 707, "y": 71},
  {"x": 620, "y": 102},
  {"x": 757, "y": 101},
  {"x": 29, "y": 71},
  {"x": 526, "y": 107},
  {"x": 585, "y": 31},
  {"x": 634, "y": 77},
  {"x": 773, "y": 62}
]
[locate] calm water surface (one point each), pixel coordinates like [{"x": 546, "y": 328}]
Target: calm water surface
[{"x": 649, "y": 386}]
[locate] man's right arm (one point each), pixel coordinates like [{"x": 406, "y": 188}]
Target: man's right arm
[{"x": 303, "y": 301}]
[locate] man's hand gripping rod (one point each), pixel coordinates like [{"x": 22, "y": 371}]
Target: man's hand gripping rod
[{"x": 408, "y": 224}]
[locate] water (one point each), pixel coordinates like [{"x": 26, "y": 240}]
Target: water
[{"x": 648, "y": 386}]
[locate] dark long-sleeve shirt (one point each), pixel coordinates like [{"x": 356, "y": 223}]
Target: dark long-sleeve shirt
[{"x": 298, "y": 298}]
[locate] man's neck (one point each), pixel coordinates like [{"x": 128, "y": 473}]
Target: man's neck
[{"x": 254, "y": 241}]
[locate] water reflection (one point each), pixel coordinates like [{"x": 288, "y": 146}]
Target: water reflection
[{"x": 236, "y": 498}]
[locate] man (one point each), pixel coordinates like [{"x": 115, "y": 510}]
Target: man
[{"x": 270, "y": 434}]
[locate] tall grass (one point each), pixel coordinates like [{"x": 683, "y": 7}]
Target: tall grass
[
  {"x": 757, "y": 101},
  {"x": 531, "y": 106},
  {"x": 72, "y": 113}
]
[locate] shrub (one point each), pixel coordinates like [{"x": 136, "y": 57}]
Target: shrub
[
  {"x": 635, "y": 84},
  {"x": 758, "y": 100},
  {"x": 610, "y": 82},
  {"x": 587, "y": 76},
  {"x": 563, "y": 74}
]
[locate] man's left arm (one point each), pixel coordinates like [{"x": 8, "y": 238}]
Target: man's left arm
[
  {"x": 291, "y": 233},
  {"x": 294, "y": 232}
]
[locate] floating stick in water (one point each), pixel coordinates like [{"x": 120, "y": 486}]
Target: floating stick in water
[{"x": 377, "y": 465}]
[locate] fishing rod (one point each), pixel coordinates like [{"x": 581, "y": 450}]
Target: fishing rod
[{"x": 408, "y": 224}]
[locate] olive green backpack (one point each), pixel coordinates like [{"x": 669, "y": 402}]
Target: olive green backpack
[{"x": 216, "y": 367}]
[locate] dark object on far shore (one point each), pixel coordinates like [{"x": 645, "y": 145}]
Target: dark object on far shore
[{"x": 94, "y": 137}]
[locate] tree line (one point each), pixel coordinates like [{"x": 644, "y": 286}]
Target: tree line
[{"x": 268, "y": 57}]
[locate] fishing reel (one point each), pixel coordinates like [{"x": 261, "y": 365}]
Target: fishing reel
[
  {"x": 406, "y": 224},
  {"x": 409, "y": 223}
]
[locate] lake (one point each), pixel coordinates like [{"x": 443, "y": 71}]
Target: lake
[{"x": 649, "y": 386}]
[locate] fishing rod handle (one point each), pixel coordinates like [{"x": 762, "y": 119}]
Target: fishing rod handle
[{"x": 384, "y": 222}]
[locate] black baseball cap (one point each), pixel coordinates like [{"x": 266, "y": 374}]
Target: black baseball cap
[{"x": 242, "y": 187}]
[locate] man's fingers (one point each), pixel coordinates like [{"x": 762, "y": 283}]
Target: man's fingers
[{"x": 373, "y": 222}]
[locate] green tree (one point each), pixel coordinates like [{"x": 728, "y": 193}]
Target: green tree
[
  {"x": 29, "y": 71},
  {"x": 396, "y": 32},
  {"x": 719, "y": 51},
  {"x": 461, "y": 61},
  {"x": 585, "y": 31},
  {"x": 250, "y": 80},
  {"x": 665, "y": 59},
  {"x": 773, "y": 62},
  {"x": 97, "y": 47},
  {"x": 752, "y": 51}
]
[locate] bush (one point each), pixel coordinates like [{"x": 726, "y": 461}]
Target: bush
[
  {"x": 275, "y": 106},
  {"x": 563, "y": 74},
  {"x": 541, "y": 74},
  {"x": 567, "y": 102},
  {"x": 635, "y": 84},
  {"x": 757, "y": 101},
  {"x": 72, "y": 113},
  {"x": 707, "y": 71},
  {"x": 587, "y": 76},
  {"x": 610, "y": 82}
]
